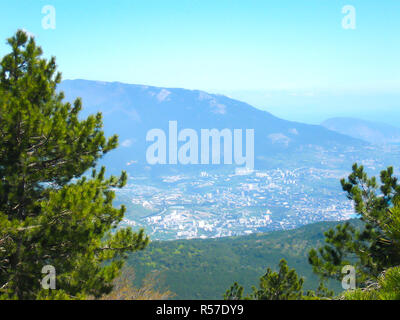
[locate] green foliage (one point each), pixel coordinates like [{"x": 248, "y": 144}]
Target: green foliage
[
  {"x": 190, "y": 266},
  {"x": 235, "y": 292},
  {"x": 386, "y": 288},
  {"x": 50, "y": 213},
  {"x": 282, "y": 285},
  {"x": 376, "y": 246}
]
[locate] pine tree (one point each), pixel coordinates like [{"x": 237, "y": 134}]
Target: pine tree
[
  {"x": 235, "y": 292},
  {"x": 282, "y": 285},
  {"x": 51, "y": 212},
  {"x": 372, "y": 249},
  {"x": 387, "y": 285}
]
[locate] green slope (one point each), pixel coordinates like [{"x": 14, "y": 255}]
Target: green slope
[{"x": 204, "y": 269}]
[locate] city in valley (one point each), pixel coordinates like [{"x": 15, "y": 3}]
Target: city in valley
[{"x": 209, "y": 205}]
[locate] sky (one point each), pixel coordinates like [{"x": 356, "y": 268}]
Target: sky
[{"x": 243, "y": 48}]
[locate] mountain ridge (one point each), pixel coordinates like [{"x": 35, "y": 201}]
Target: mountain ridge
[{"x": 132, "y": 110}]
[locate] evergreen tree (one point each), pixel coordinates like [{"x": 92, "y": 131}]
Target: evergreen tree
[
  {"x": 387, "y": 285},
  {"x": 50, "y": 212},
  {"x": 235, "y": 292},
  {"x": 282, "y": 285},
  {"x": 376, "y": 246}
]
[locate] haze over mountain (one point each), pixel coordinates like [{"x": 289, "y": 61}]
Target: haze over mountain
[
  {"x": 373, "y": 132},
  {"x": 132, "y": 110},
  {"x": 316, "y": 105}
]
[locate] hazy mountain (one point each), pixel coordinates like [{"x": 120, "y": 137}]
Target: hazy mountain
[
  {"x": 132, "y": 110},
  {"x": 315, "y": 106},
  {"x": 373, "y": 132}
]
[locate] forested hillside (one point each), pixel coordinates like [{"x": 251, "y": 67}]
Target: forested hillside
[{"x": 204, "y": 269}]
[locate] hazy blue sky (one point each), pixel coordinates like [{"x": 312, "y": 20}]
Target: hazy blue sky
[{"x": 220, "y": 45}]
